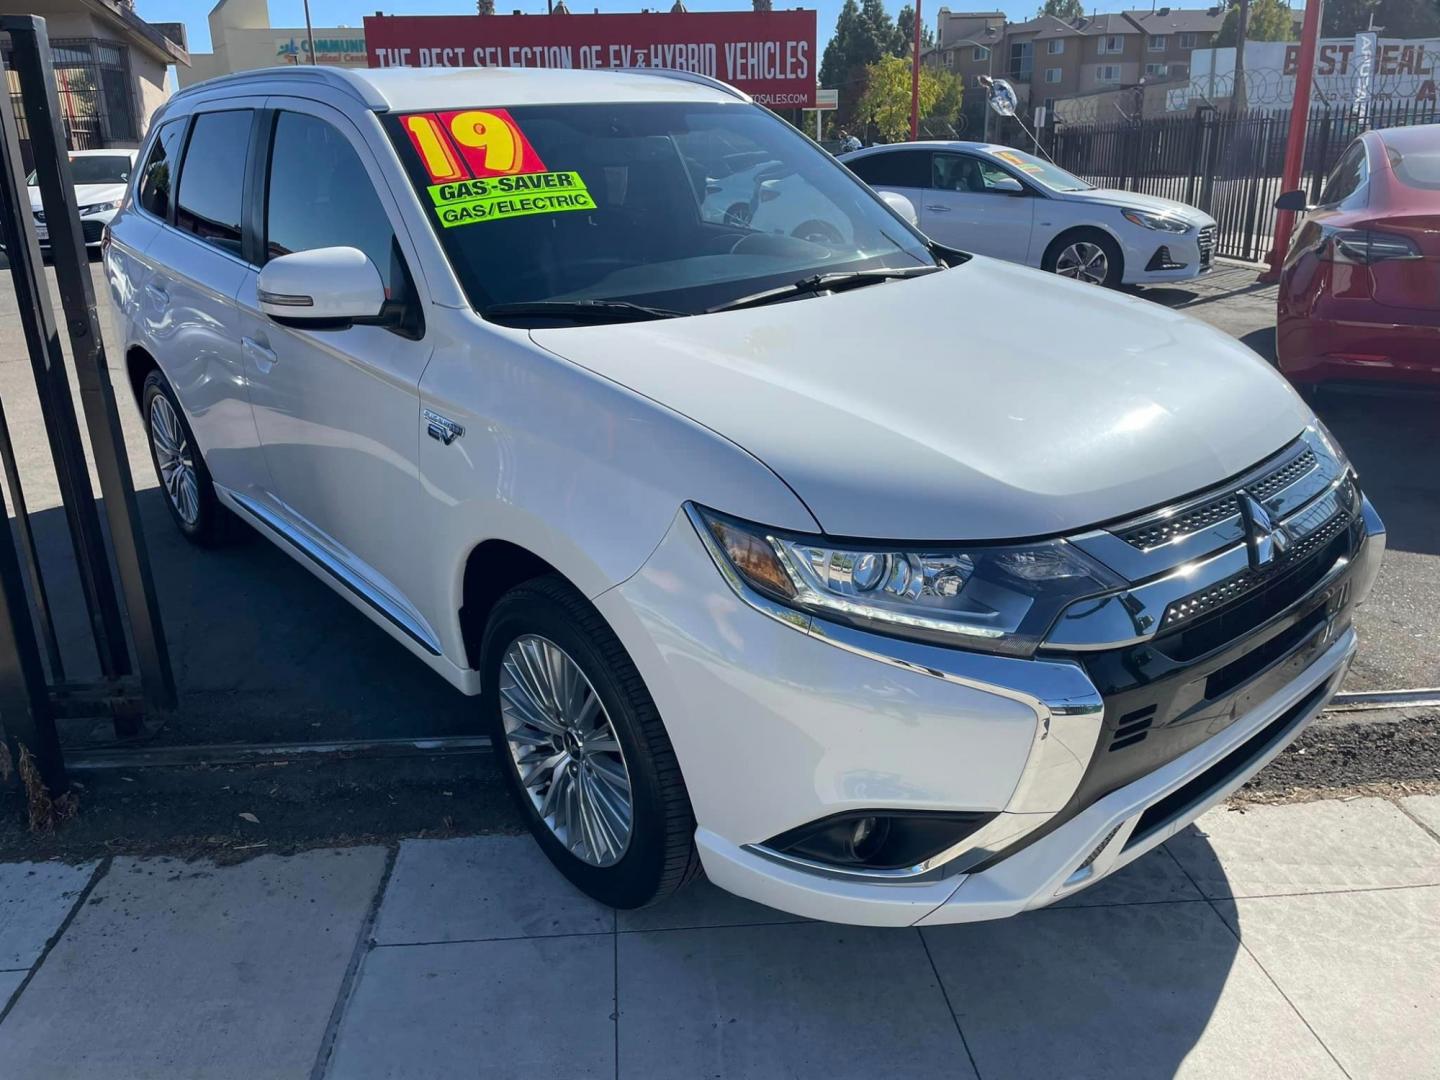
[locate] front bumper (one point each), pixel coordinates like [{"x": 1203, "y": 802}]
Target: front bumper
[
  {"x": 776, "y": 725},
  {"x": 1154, "y": 257}
]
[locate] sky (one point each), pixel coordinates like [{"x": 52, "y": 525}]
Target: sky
[{"x": 351, "y": 12}]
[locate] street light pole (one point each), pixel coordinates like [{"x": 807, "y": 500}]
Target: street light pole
[
  {"x": 309, "y": 33},
  {"x": 915, "y": 80},
  {"x": 1295, "y": 141}
]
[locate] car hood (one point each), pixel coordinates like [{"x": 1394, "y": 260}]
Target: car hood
[
  {"x": 1134, "y": 200},
  {"x": 988, "y": 401},
  {"x": 85, "y": 194}
]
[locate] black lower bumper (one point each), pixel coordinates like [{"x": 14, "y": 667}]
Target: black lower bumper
[{"x": 1165, "y": 696}]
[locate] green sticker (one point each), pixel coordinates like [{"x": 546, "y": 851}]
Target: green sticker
[{"x": 466, "y": 202}]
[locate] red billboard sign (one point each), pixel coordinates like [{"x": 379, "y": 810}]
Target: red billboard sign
[{"x": 768, "y": 54}]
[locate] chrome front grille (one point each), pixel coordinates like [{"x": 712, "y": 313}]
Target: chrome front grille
[
  {"x": 1206, "y": 240},
  {"x": 1149, "y": 537},
  {"x": 1172, "y": 524},
  {"x": 1215, "y": 549}
]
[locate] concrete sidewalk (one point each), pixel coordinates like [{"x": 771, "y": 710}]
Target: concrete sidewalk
[{"x": 1278, "y": 941}]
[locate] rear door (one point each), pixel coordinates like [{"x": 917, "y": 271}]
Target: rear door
[
  {"x": 904, "y": 171},
  {"x": 975, "y": 205},
  {"x": 186, "y": 290},
  {"x": 338, "y": 411}
]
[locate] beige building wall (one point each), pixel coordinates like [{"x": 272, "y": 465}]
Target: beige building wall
[{"x": 241, "y": 38}]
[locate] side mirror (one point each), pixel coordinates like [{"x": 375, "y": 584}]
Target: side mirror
[
  {"x": 322, "y": 289},
  {"x": 901, "y": 205},
  {"x": 1293, "y": 200}
]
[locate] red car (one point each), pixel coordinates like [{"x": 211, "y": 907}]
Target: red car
[{"x": 1360, "y": 290}]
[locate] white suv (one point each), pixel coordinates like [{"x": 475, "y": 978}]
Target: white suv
[{"x": 891, "y": 584}]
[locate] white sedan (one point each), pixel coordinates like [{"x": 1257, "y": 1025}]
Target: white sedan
[
  {"x": 101, "y": 177},
  {"x": 1003, "y": 202}
]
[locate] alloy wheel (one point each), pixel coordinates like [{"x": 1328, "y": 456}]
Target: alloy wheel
[
  {"x": 1084, "y": 261},
  {"x": 565, "y": 750},
  {"x": 174, "y": 460}
]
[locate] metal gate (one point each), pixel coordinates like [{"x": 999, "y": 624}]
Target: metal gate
[
  {"x": 33, "y": 684},
  {"x": 1227, "y": 165}
]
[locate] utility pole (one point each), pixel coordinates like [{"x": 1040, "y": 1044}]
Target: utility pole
[
  {"x": 1242, "y": 27},
  {"x": 915, "y": 80},
  {"x": 1295, "y": 143},
  {"x": 309, "y": 33}
]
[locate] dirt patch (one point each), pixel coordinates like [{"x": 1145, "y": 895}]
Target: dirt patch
[{"x": 1391, "y": 758}]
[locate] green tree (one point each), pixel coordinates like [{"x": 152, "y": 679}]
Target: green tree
[
  {"x": 885, "y": 105},
  {"x": 1397, "y": 18},
  {"x": 864, "y": 33},
  {"x": 905, "y": 32},
  {"x": 760, "y": 5},
  {"x": 1069, "y": 10},
  {"x": 1270, "y": 20}
]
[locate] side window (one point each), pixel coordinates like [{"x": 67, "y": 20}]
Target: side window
[
  {"x": 157, "y": 179},
  {"x": 319, "y": 195},
  {"x": 211, "y": 179},
  {"x": 960, "y": 172},
  {"x": 1346, "y": 178},
  {"x": 894, "y": 168}
]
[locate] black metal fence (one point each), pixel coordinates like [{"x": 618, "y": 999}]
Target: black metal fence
[{"x": 1227, "y": 165}]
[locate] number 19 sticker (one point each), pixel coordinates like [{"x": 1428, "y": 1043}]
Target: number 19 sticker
[{"x": 471, "y": 143}]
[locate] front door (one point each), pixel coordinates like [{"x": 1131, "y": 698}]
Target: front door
[
  {"x": 338, "y": 410},
  {"x": 975, "y": 205}
]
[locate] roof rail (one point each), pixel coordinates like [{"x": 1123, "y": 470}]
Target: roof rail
[
  {"x": 687, "y": 76},
  {"x": 335, "y": 77}
]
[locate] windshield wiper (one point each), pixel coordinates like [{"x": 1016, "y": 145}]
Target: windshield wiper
[
  {"x": 581, "y": 310},
  {"x": 824, "y": 283}
]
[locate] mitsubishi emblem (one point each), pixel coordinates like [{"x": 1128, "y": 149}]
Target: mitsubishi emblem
[{"x": 1264, "y": 539}]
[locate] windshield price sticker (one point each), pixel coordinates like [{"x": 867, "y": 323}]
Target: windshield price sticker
[
  {"x": 483, "y": 168},
  {"x": 466, "y": 202},
  {"x": 1019, "y": 162}
]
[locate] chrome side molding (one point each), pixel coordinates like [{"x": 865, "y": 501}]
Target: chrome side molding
[{"x": 335, "y": 569}]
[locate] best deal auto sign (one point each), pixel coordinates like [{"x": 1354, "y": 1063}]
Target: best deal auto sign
[{"x": 768, "y": 54}]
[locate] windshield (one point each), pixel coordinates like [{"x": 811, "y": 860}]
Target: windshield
[
  {"x": 100, "y": 169},
  {"x": 681, "y": 206},
  {"x": 1043, "y": 172}
]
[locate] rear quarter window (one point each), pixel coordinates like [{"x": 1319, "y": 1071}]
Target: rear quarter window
[
  {"x": 157, "y": 180},
  {"x": 1416, "y": 169}
]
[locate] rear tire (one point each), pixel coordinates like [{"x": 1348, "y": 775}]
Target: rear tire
[
  {"x": 1087, "y": 255},
  {"x": 185, "y": 482},
  {"x": 597, "y": 739}
]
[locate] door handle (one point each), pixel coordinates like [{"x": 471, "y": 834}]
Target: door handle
[
  {"x": 156, "y": 293},
  {"x": 937, "y": 209},
  {"x": 261, "y": 353}
]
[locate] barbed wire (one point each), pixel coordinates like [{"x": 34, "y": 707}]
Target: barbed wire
[{"x": 1264, "y": 88}]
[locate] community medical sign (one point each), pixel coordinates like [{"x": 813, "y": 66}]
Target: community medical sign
[{"x": 768, "y": 54}]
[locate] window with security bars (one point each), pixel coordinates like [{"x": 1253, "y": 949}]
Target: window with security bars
[{"x": 92, "y": 81}]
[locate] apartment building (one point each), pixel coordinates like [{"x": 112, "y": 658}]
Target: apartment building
[{"x": 1049, "y": 59}]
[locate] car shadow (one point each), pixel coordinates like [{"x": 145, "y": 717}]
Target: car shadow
[
  {"x": 262, "y": 650},
  {"x": 1120, "y": 981}
]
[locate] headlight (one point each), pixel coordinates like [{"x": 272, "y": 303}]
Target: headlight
[
  {"x": 999, "y": 598},
  {"x": 97, "y": 208},
  {"x": 1159, "y": 222}
]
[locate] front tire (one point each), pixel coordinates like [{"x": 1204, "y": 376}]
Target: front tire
[
  {"x": 583, "y": 748},
  {"x": 1087, "y": 255}
]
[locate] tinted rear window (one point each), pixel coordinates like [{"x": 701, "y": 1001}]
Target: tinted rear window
[
  {"x": 157, "y": 182},
  {"x": 896, "y": 168},
  {"x": 1417, "y": 168},
  {"x": 212, "y": 177}
]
